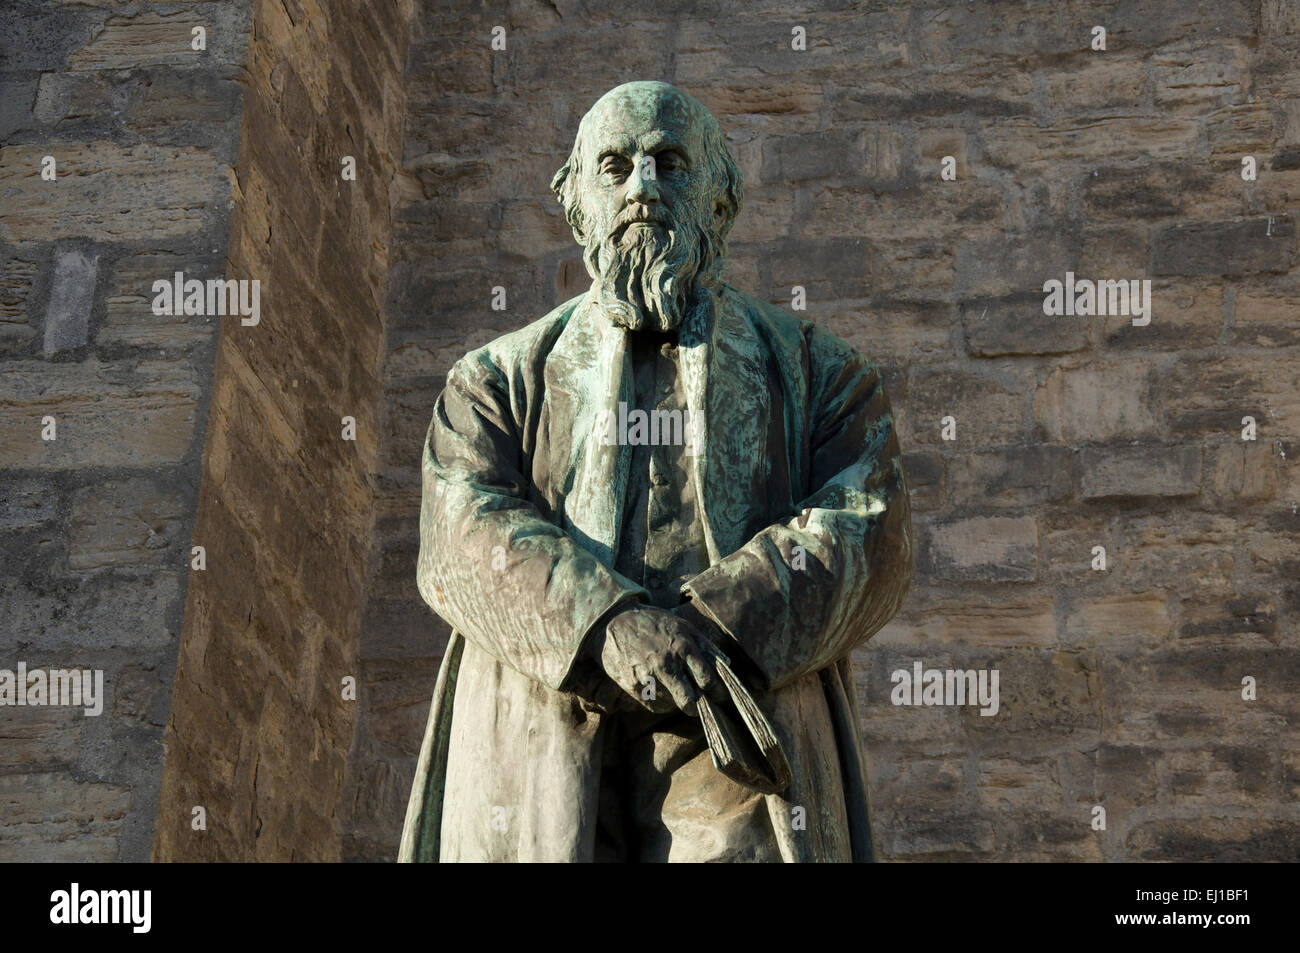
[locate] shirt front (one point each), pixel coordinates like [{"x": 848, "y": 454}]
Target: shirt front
[{"x": 662, "y": 543}]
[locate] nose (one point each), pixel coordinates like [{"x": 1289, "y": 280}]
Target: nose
[{"x": 642, "y": 186}]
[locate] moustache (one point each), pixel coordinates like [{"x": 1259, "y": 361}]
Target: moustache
[{"x": 639, "y": 215}]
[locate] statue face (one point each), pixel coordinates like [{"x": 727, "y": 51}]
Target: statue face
[
  {"x": 642, "y": 164},
  {"x": 650, "y": 208}
]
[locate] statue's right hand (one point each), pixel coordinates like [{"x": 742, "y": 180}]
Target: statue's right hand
[{"x": 653, "y": 656}]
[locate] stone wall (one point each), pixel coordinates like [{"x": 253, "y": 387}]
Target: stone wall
[
  {"x": 95, "y": 524},
  {"x": 262, "y": 719},
  {"x": 1118, "y": 688}
]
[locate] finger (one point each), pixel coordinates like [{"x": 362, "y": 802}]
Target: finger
[
  {"x": 706, "y": 677},
  {"x": 683, "y": 691}
]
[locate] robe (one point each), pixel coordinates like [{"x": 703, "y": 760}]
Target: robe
[{"x": 804, "y": 507}]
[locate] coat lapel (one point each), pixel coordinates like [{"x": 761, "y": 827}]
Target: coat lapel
[
  {"x": 727, "y": 393},
  {"x": 589, "y": 368}
]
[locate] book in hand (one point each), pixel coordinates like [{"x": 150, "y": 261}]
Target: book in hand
[{"x": 741, "y": 740}]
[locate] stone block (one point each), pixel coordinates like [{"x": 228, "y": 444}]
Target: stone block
[
  {"x": 72, "y": 296},
  {"x": 1191, "y": 74},
  {"x": 35, "y": 35},
  {"x": 1013, "y": 476},
  {"x": 109, "y": 192},
  {"x": 1019, "y": 143},
  {"x": 833, "y": 268},
  {"x": 1246, "y": 618},
  {"x": 898, "y": 332},
  {"x": 1023, "y": 787},
  {"x": 977, "y": 619},
  {"x": 1016, "y": 325},
  {"x": 1152, "y": 470},
  {"x": 986, "y": 411},
  {"x": 39, "y": 737},
  {"x": 126, "y": 522},
  {"x": 51, "y": 817},
  {"x": 73, "y": 97},
  {"x": 1185, "y": 313},
  {"x": 1226, "y": 248},
  {"x": 16, "y": 278},
  {"x": 1242, "y": 470},
  {"x": 1120, "y": 620},
  {"x": 1041, "y": 694},
  {"x": 1097, "y": 402},
  {"x": 1254, "y": 838},
  {"x": 789, "y": 159},
  {"x": 1266, "y": 317},
  {"x": 104, "y": 415},
  {"x": 107, "y": 611},
  {"x": 979, "y": 549}
]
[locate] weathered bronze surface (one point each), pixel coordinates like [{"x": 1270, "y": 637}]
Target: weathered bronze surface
[{"x": 659, "y": 520}]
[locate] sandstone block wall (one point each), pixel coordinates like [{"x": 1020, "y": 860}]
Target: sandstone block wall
[
  {"x": 95, "y": 525},
  {"x": 1119, "y": 689}
]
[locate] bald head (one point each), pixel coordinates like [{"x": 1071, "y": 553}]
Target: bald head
[
  {"x": 641, "y": 113},
  {"x": 651, "y": 191}
]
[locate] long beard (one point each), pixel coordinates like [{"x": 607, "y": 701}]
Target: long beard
[{"x": 646, "y": 277}]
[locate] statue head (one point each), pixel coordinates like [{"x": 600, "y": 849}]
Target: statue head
[{"x": 651, "y": 192}]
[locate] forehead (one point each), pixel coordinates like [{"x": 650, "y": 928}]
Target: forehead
[{"x": 629, "y": 122}]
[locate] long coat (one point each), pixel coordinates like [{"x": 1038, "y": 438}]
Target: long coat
[{"x": 804, "y": 506}]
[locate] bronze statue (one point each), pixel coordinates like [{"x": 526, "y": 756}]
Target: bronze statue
[{"x": 659, "y": 520}]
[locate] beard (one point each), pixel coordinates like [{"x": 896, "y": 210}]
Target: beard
[{"x": 646, "y": 276}]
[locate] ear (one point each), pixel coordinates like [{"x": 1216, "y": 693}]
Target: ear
[
  {"x": 563, "y": 187},
  {"x": 558, "y": 180}
]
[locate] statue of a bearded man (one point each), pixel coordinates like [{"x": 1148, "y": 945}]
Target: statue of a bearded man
[{"x": 658, "y": 520}]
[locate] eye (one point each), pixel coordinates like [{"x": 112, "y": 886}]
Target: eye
[
  {"x": 670, "y": 161},
  {"x": 614, "y": 166}
]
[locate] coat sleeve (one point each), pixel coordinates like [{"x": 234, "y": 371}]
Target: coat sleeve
[
  {"x": 506, "y": 578},
  {"x": 807, "y": 591}
]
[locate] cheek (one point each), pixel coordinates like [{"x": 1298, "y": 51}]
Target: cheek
[
  {"x": 600, "y": 206},
  {"x": 695, "y": 195}
]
